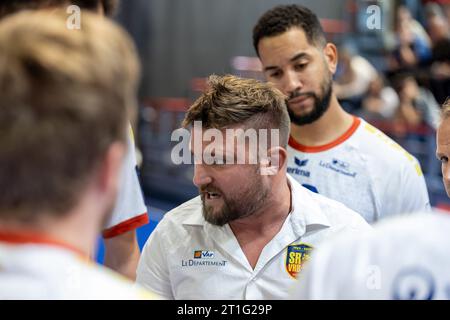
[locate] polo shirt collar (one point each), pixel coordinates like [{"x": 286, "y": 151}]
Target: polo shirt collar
[{"x": 306, "y": 214}]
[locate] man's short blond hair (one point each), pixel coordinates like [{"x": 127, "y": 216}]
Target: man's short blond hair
[
  {"x": 8, "y": 7},
  {"x": 446, "y": 109},
  {"x": 66, "y": 96},
  {"x": 231, "y": 100}
]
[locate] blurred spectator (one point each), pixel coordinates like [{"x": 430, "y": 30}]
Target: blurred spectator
[
  {"x": 447, "y": 11},
  {"x": 412, "y": 49},
  {"x": 440, "y": 70},
  {"x": 440, "y": 67},
  {"x": 437, "y": 24},
  {"x": 380, "y": 102},
  {"x": 404, "y": 17},
  {"x": 417, "y": 105},
  {"x": 353, "y": 77},
  {"x": 441, "y": 7}
]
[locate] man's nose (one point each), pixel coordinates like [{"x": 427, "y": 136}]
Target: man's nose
[
  {"x": 201, "y": 176},
  {"x": 292, "y": 83}
]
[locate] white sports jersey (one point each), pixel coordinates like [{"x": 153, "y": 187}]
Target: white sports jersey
[
  {"x": 32, "y": 267},
  {"x": 130, "y": 211},
  {"x": 365, "y": 170},
  {"x": 189, "y": 258},
  {"x": 403, "y": 258}
]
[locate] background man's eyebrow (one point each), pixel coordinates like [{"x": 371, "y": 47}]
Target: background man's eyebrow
[
  {"x": 270, "y": 68},
  {"x": 294, "y": 58},
  {"x": 299, "y": 56}
]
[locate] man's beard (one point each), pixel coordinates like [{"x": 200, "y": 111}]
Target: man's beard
[
  {"x": 237, "y": 204},
  {"x": 321, "y": 104}
]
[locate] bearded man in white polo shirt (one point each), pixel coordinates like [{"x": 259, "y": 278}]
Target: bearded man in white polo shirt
[{"x": 251, "y": 229}]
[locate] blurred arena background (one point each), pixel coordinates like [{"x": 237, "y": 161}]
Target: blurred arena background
[{"x": 182, "y": 42}]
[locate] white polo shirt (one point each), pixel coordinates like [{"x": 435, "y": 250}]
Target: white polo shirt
[
  {"x": 130, "y": 211},
  {"x": 402, "y": 258},
  {"x": 365, "y": 170},
  {"x": 32, "y": 267},
  {"x": 189, "y": 258}
]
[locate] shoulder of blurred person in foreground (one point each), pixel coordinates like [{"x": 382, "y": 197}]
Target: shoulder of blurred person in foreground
[
  {"x": 66, "y": 99},
  {"x": 401, "y": 258},
  {"x": 25, "y": 273}
]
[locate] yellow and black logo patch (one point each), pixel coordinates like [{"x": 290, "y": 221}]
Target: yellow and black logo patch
[{"x": 296, "y": 256}]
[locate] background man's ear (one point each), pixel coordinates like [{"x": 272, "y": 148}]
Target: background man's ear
[{"x": 331, "y": 55}]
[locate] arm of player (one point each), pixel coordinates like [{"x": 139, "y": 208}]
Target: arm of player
[
  {"x": 122, "y": 254},
  {"x": 153, "y": 270},
  {"x": 130, "y": 213}
]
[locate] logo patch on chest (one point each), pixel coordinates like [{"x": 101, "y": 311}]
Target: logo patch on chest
[
  {"x": 203, "y": 258},
  {"x": 296, "y": 256}
]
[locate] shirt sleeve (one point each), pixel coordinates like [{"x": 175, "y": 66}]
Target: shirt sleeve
[
  {"x": 130, "y": 211},
  {"x": 153, "y": 270}
]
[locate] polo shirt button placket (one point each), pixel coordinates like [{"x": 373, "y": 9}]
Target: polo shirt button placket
[{"x": 251, "y": 292}]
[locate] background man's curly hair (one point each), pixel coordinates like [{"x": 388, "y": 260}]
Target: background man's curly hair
[{"x": 282, "y": 18}]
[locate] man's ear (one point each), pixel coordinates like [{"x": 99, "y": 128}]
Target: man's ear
[
  {"x": 275, "y": 161},
  {"x": 331, "y": 56}
]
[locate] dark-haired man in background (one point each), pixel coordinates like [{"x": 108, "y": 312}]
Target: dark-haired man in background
[{"x": 330, "y": 151}]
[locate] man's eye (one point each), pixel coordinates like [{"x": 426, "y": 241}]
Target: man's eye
[
  {"x": 276, "y": 74},
  {"x": 300, "y": 66},
  {"x": 443, "y": 159}
]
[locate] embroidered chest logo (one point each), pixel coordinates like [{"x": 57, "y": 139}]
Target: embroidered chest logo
[
  {"x": 296, "y": 256},
  {"x": 203, "y": 258},
  {"x": 299, "y": 169},
  {"x": 203, "y": 254},
  {"x": 339, "y": 166}
]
